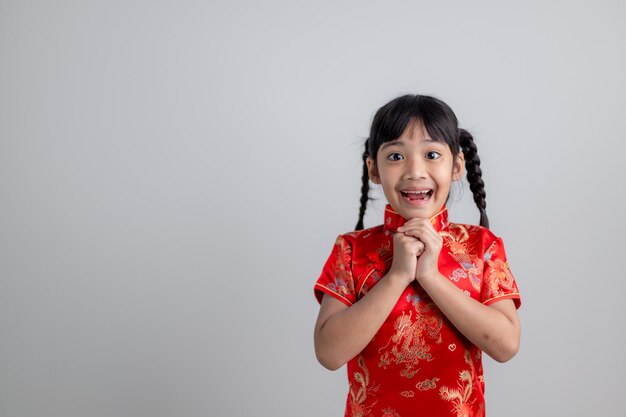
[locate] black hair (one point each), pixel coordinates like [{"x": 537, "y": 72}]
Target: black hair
[{"x": 441, "y": 123}]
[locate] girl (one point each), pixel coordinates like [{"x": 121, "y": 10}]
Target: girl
[{"x": 410, "y": 305}]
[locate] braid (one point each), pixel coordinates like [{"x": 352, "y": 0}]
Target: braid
[
  {"x": 474, "y": 174},
  {"x": 365, "y": 187}
]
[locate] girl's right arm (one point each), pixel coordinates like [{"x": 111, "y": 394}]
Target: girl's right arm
[{"x": 342, "y": 332}]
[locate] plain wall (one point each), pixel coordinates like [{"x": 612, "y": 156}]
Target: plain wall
[{"x": 173, "y": 175}]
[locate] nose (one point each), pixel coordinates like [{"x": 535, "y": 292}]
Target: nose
[{"x": 415, "y": 169}]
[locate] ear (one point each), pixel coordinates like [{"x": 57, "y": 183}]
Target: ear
[
  {"x": 372, "y": 170},
  {"x": 458, "y": 167}
]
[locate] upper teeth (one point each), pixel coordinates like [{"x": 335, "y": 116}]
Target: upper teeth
[{"x": 417, "y": 192}]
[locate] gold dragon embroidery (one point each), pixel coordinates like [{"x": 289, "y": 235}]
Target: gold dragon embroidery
[
  {"x": 498, "y": 277},
  {"x": 343, "y": 283},
  {"x": 408, "y": 344}
]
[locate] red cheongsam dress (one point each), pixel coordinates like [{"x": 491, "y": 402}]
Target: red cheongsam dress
[{"x": 418, "y": 363}]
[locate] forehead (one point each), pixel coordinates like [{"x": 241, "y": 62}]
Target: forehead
[
  {"x": 411, "y": 141},
  {"x": 415, "y": 132}
]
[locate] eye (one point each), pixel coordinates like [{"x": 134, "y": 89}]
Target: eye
[
  {"x": 433, "y": 155},
  {"x": 395, "y": 156}
]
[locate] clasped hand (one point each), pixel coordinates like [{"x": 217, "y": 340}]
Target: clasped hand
[{"x": 416, "y": 248}]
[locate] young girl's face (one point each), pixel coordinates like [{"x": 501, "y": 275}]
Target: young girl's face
[{"x": 415, "y": 172}]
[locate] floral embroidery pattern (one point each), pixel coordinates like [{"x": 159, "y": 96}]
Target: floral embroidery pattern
[
  {"x": 378, "y": 264},
  {"x": 456, "y": 237},
  {"x": 378, "y": 259}
]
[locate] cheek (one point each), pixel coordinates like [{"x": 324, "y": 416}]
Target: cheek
[
  {"x": 389, "y": 178},
  {"x": 445, "y": 180},
  {"x": 388, "y": 185}
]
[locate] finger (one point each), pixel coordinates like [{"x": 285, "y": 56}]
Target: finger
[
  {"x": 419, "y": 249},
  {"x": 422, "y": 247},
  {"x": 416, "y": 233},
  {"x": 399, "y": 239},
  {"x": 418, "y": 228},
  {"x": 427, "y": 236},
  {"x": 415, "y": 220},
  {"x": 408, "y": 235},
  {"x": 424, "y": 228},
  {"x": 411, "y": 244}
]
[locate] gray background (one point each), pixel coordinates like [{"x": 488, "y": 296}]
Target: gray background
[{"x": 173, "y": 176}]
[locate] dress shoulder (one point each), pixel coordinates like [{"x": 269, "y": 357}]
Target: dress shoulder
[
  {"x": 357, "y": 236},
  {"x": 482, "y": 249},
  {"x": 476, "y": 232}
]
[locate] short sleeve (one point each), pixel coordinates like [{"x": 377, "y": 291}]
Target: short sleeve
[
  {"x": 336, "y": 278},
  {"x": 498, "y": 281}
]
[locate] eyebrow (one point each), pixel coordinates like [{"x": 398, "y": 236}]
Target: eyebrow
[{"x": 397, "y": 142}]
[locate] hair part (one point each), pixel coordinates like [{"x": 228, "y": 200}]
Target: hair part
[{"x": 391, "y": 120}]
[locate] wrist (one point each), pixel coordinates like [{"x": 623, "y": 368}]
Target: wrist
[
  {"x": 399, "y": 279},
  {"x": 425, "y": 279}
]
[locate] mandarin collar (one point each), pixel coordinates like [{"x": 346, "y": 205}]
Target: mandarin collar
[{"x": 393, "y": 220}]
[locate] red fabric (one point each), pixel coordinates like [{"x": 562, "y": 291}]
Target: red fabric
[{"x": 417, "y": 364}]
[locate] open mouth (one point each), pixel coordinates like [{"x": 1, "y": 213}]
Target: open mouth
[{"x": 417, "y": 196}]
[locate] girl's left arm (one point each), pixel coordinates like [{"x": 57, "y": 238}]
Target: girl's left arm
[{"x": 494, "y": 328}]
